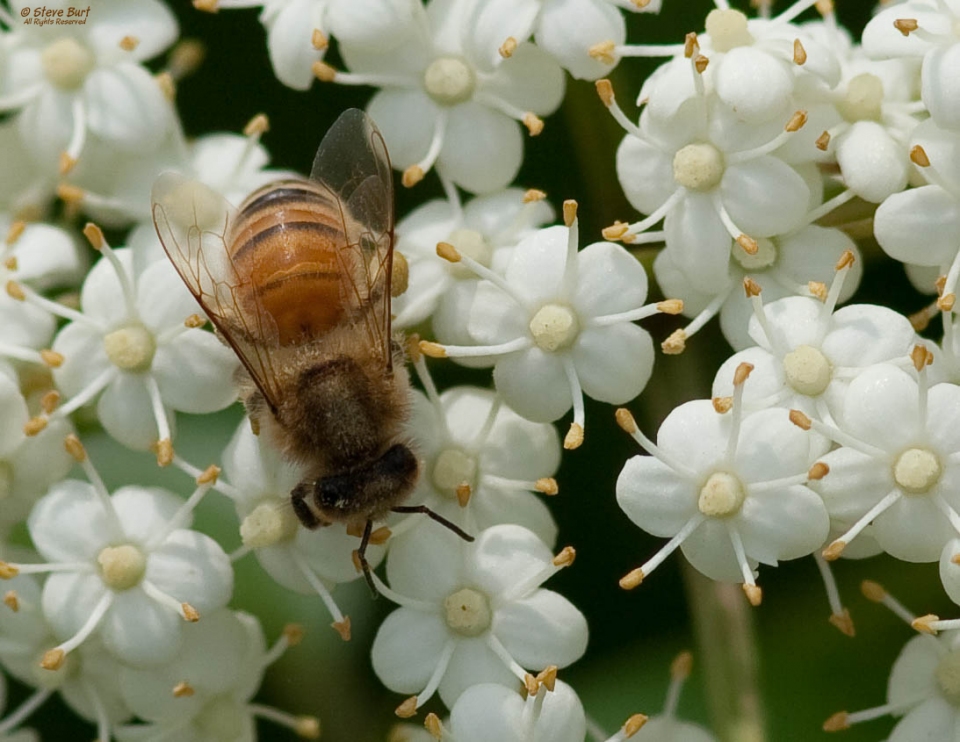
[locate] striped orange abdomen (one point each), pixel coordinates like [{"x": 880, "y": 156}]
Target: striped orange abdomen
[{"x": 287, "y": 248}]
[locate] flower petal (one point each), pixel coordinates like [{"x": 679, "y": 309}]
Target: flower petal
[
  {"x": 482, "y": 149},
  {"x": 541, "y": 630},
  {"x": 195, "y": 373},
  {"x": 407, "y": 648},
  {"x": 613, "y": 363},
  {"x": 534, "y": 384}
]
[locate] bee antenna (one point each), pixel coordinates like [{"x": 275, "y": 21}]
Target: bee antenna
[{"x": 435, "y": 516}]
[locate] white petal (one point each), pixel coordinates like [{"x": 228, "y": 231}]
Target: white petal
[
  {"x": 918, "y": 225},
  {"x": 534, "y": 384},
  {"x": 473, "y": 662},
  {"x": 139, "y": 631},
  {"x": 69, "y": 524},
  {"x": 406, "y": 119},
  {"x": 613, "y": 363},
  {"x": 289, "y": 42},
  {"x": 764, "y": 196},
  {"x": 609, "y": 280},
  {"x": 192, "y": 568},
  {"x": 495, "y": 317},
  {"x": 530, "y": 80},
  {"x": 144, "y": 512},
  {"x": 709, "y": 550},
  {"x": 101, "y": 297},
  {"x": 406, "y": 649},
  {"x": 329, "y": 552},
  {"x": 699, "y": 244},
  {"x": 912, "y": 678},
  {"x": 195, "y": 373},
  {"x": 84, "y": 357},
  {"x": 163, "y": 299},
  {"x": 940, "y": 88},
  {"x": 493, "y": 22},
  {"x": 755, "y": 84},
  {"x": 504, "y": 556},
  {"x": 935, "y": 718},
  {"x": 645, "y": 174},
  {"x": 543, "y": 629},
  {"x": 787, "y": 523},
  {"x": 696, "y": 435},
  {"x": 538, "y": 265},
  {"x": 126, "y": 107},
  {"x": 151, "y": 23},
  {"x": 426, "y": 562},
  {"x": 489, "y": 712},
  {"x": 13, "y": 416},
  {"x": 878, "y": 395},
  {"x": 482, "y": 149},
  {"x": 873, "y": 164},
  {"x": 654, "y": 497},
  {"x": 126, "y": 412},
  {"x": 68, "y": 600},
  {"x": 913, "y": 529},
  {"x": 568, "y": 28}
]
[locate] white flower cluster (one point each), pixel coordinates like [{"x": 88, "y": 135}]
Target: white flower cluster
[{"x": 830, "y": 431}]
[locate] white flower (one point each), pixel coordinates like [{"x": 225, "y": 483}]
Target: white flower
[
  {"x": 482, "y": 461},
  {"x": 309, "y": 562},
  {"x": 296, "y": 34},
  {"x": 139, "y": 347},
  {"x": 125, "y": 567},
  {"x": 712, "y": 180},
  {"x": 114, "y": 187},
  {"x": 204, "y": 693},
  {"x": 28, "y": 465},
  {"x": 471, "y": 613},
  {"x": 807, "y": 354},
  {"x": 486, "y": 229},
  {"x": 783, "y": 265},
  {"x": 445, "y": 103},
  {"x": 897, "y": 465},
  {"x": 927, "y": 29},
  {"x": 73, "y": 79},
  {"x": 88, "y": 681},
  {"x": 568, "y": 29},
  {"x": 919, "y": 225},
  {"x": 559, "y": 324},
  {"x": 488, "y": 712},
  {"x": 729, "y": 490}
]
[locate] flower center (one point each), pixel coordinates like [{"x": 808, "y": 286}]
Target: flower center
[
  {"x": 721, "y": 496},
  {"x": 948, "y": 677},
  {"x": 121, "y": 567},
  {"x": 765, "y": 256},
  {"x": 863, "y": 99},
  {"x": 916, "y": 470},
  {"x": 467, "y": 612},
  {"x": 728, "y": 29},
  {"x": 268, "y": 524},
  {"x": 807, "y": 370},
  {"x": 698, "y": 167},
  {"x": 130, "y": 348},
  {"x": 6, "y": 480},
  {"x": 453, "y": 468},
  {"x": 449, "y": 81},
  {"x": 472, "y": 244},
  {"x": 554, "y": 327},
  {"x": 66, "y": 63},
  {"x": 220, "y": 720}
]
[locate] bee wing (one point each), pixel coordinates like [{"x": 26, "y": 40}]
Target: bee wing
[
  {"x": 192, "y": 222},
  {"x": 352, "y": 165}
]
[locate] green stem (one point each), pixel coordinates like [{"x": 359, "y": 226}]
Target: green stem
[{"x": 728, "y": 653}]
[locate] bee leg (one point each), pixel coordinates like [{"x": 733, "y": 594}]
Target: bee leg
[
  {"x": 435, "y": 516},
  {"x": 298, "y": 499},
  {"x": 362, "y": 557}
]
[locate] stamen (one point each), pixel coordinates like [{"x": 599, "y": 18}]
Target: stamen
[
  {"x": 402, "y": 600},
  {"x": 575, "y": 437},
  {"x": 474, "y": 351},
  {"x": 657, "y": 559},
  {"x": 94, "y": 235},
  {"x": 21, "y": 714},
  {"x": 305, "y": 727},
  {"x": 658, "y": 214},
  {"x": 53, "y": 658},
  {"x": 829, "y": 205},
  {"x": 78, "y": 138},
  {"x": 414, "y": 174},
  {"x": 55, "y": 308},
  {"x": 839, "y": 616},
  {"x": 483, "y": 434},
  {"x": 164, "y": 456},
  {"x": 179, "y": 518},
  {"x": 629, "y": 425},
  {"x": 438, "y": 672},
  {"x": 451, "y": 254},
  {"x": 605, "y": 91},
  {"x": 835, "y": 549},
  {"x": 794, "y": 125},
  {"x": 317, "y": 584},
  {"x": 505, "y": 657},
  {"x": 184, "y": 610}
]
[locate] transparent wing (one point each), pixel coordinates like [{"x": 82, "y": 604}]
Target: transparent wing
[
  {"x": 352, "y": 165},
  {"x": 192, "y": 222}
]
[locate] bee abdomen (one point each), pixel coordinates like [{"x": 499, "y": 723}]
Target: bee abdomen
[{"x": 287, "y": 247}]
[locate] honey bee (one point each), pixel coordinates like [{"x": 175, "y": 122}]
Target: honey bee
[{"x": 297, "y": 281}]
